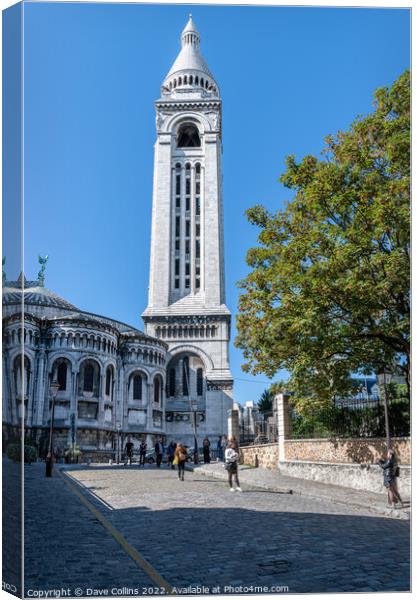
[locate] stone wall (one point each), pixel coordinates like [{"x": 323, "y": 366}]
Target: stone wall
[
  {"x": 263, "y": 455},
  {"x": 353, "y": 476},
  {"x": 359, "y": 451}
]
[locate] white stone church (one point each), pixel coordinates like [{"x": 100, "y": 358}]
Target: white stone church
[{"x": 117, "y": 382}]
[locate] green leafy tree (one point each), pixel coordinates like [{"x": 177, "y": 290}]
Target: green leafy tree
[{"x": 329, "y": 289}]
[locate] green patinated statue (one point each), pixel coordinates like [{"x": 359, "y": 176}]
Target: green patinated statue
[{"x": 41, "y": 274}]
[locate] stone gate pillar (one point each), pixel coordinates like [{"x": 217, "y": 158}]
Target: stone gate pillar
[
  {"x": 233, "y": 423},
  {"x": 283, "y": 413}
]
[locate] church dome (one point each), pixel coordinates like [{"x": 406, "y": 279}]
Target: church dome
[
  {"x": 34, "y": 294},
  {"x": 190, "y": 73}
]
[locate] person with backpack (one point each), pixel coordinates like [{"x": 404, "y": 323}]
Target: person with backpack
[
  {"x": 391, "y": 472},
  {"x": 170, "y": 453},
  {"x": 180, "y": 457},
  {"x": 231, "y": 465}
]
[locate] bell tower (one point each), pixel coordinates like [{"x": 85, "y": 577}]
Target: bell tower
[{"x": 186, "y": 304}]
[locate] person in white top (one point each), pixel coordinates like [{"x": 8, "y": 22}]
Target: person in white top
[{"x": 231, "y": 463}]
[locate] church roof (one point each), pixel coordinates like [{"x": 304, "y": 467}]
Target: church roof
[
  {"x": 189, "y": 57},
  {"x": 37, "y": 295},
  {"x": 33, "y": 294}
]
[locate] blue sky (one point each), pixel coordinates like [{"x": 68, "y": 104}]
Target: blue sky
[{"x": 288, "y": 77}]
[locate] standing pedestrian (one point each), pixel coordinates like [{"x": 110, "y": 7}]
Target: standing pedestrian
[
  {"x": 171, "y": 452},
  {"x": 220, "y": 448},
  {"x": 159, "y": 451},
  {"x": 224, "y": 445},
  {"x": 232, "y": 458},
  {"x": 206, "y": 450},
  {"x": 391, "y": 472},
  {"x": 129, "y": 451},
  {"x": 142, "y": 453},
  {"x": 181, "y": 457}
]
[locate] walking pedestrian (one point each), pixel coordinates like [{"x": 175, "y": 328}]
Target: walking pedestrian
[
  {"x": 181, "y": 457},
  {"x": 220, "y": 448},
  {"x": 206, "y": 450},
  {"x": 391, "y": 472},
  {"x": 129, "y": 451},
  {"x": 142, "y": 453},
  {"x": 171, "y": 452},
  {"x": 232, "y": 458},
  {"x": 159, "y": 451}
]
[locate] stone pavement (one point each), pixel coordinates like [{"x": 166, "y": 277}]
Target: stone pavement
[
  {"x": 274, "y": 481},
  {"x": 196, "y": 533}
]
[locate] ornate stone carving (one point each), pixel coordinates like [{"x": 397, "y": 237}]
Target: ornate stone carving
[
  {"x": 226, "y": 384},
  {"x": 183, "y": 417},
  {"x": 160, "y": 119},
  {"x": 188, "y": 319}
]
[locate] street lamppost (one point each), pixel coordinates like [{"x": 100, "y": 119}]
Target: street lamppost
[
  {"x": 384, "y": 379},
  {"x": 54, "y": 387},
  {"x": 119, "y": 427},
  {"x": 194, "y": 413}
]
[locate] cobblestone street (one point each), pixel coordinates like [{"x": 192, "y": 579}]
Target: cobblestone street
[{"x": 197, "y": 533}]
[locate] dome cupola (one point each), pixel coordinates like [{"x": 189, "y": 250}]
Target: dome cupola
[{"x": 190, "y": 76}]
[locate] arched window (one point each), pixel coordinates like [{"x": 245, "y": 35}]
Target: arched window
[
  {"x": 191, "y": 80},
  {"x": 199, "y": 382},
  {"x": 157, "y": 389},
  {"x": 188, "y": 136},
  {"x": 172, "y": 382},
  {"x": 175, "y": 83},
  {"x": 185, "y": 80},
  {"x": 179, "y": 81},
  {"x": 62, "y": 376},
  {"x": 88, "y": 378},
  {"x": 196, "y": 81},
  {"x": 185, "y": 376},
  {"x": 108, "y": 381},
  {"x": 137, "y": 387}
]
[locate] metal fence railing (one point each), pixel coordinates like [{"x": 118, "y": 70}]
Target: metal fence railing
[{"x": 354, "y": 418}]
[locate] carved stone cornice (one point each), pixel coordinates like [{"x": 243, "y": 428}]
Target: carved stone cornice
[
  {"x": 224, "y": 384},
  {"x": 187, "y": 319},
  {"x": 175, "y": 105}
]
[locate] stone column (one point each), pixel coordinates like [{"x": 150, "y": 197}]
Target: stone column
[
  {"x": 233, "y": 423},
  {"x": 149, "y": 404},
  {"x": 284, "y": 422},
  {"x": 40, "y": 388}
]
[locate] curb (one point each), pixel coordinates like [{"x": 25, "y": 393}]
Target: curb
[{"x": 386, "y": 512}]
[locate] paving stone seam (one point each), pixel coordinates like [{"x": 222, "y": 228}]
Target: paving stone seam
[{"x": 131, "y": 550}]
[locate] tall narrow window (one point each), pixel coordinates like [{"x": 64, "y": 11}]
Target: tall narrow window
[
  {"x": 177, "y": 267},
  {"x": 185, "y": 376},
  {"x": 178, "y": 185},
  {"x": 137, "y": 387},
  {"x": 197, "y": 248},
  {"x": 172, "y": 382},
  {"x": 177, "y": 227},
  {"x": 108, "y": 381},
  {"x": 62, "y": 376},
  {"x": 88, "y": 378},
  {"x": 199, "y": 382},
  {"x": 156, "y": 389}
]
